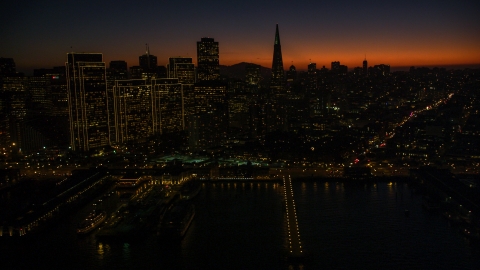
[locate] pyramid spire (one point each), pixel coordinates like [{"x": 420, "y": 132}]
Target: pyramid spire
[
  {"x": 277, "y": 36},
  {"x": 277, "y": 63}
]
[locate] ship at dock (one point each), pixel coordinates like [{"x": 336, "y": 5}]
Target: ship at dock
[
  {"x": 55, "y": 201},
  {"x": 190, "y": 189},
  {"x": 177, "y": 220},
  {"x": 135, "y": 218},
  {"x": 93, "y": 221}
]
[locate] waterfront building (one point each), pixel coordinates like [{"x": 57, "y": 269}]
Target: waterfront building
[
  {"x": 87, "y": 101},
  {"x": 133, "y": 119}
]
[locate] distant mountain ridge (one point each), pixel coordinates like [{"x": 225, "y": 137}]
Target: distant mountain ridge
[{"x": 238, "y": 70}]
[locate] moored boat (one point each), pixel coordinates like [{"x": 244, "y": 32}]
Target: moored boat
[
  {"x": 93, "y": 220},
  {"x": 177, "y": 220}
]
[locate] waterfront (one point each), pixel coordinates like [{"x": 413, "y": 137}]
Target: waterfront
[{"x": 242, "y": 226}]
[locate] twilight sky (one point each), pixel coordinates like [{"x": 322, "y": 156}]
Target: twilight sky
[{"x": 399, "y": 33}]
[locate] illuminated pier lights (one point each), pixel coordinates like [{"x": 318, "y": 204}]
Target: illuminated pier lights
[{"x": 294, "y": 243}]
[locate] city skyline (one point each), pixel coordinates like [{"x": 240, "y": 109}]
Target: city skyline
[{"x": 425, "y": 33}]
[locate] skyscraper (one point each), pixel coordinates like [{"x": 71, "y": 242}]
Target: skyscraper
[
  {"x": 208, "y": 60},
  {"x": 208, "y": 126},
  {"x": 275, "y": 107},
  {"x": 132, "y": 110},
  {"x": 181, "y": 68},
  {"x": 117, "y": 70},
  {"x": 312, "y": 83},
  {"x": 365, "y": 66},
  {"x": 87, "y": 101},
  {"x": 168, "y": 106},
  {"x": 291, "y": 74},
  {"x": 147, "y": 61},
  {"x": 277, "y": 63},
  {"x": 7, "y": 66}
]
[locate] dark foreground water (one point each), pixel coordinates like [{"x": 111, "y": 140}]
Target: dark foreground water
[{"x": 241, "y": 226}]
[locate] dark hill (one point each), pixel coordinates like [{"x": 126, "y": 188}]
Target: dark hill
[{"x": 238, "y": 71}]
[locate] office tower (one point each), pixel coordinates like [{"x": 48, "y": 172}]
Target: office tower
[
  {"x": 168, "y": 107},
  {"x": 381, "y": 70},
  {"x": 14, "y": 111},
  {"x": 87, "y": 101},
  {"x": 208, "y": 60},
  {"x": 292, "y": 74},
  {"x": 312, "y": 80},
  {"x": 339, "y": 69},
  {"x": 132, "y": 110},
  {"x": 37, "y": 87},
  {"x": 7, "y": 67},
  {"x": 147, "y": 61},
  {"x": 208, "y": 126},
  {"x": 117, "y": 70},
  {"x": 181, "y": 68},
  {"x": 253, "y": 75},
  {"x": 335, "y": 66},
  {"x": 136, "y": 72},
  {"x": 365, "y": 66},
  {"x": 277, "y": 64},
  {"x": 147, "y": 66}
]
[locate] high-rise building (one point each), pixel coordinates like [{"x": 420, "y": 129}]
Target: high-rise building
[
  {"x": 117, "y": 70},
  {"x": 168, "y": 106},
  {"x": 252, "y": 74},
  {"x": 208, "y": 60},
  {"x": 312, "y": 80},
  {"x": 275, "y": 107},
  {"x": 339, "y": 69},
  {"x": 87, "y": 101},
  {"x": 292, "y": 74},
  {"x": 181, "y": 68},
  {"x": 381, "y": 70},
  {"x": 208, "y": 126},
  {"x": 147, "y": 61},
  {"x": 7, "y": 66},
  {"x": 132, "y": 110},
  {"x": 335, "y": 66},
  {"x": 277, "y": 63},
  {"x": 365, "y": 66}
]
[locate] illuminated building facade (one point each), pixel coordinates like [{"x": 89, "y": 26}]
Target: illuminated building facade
[
  {"x": 87, "y": 101},
  {"x": 208, "y": 60},
  {"x": 168, "y": 107},
  {"x": 132, "y": 110},
  {"x": 208, "y": 126},
  {"x": 253, "y": 75},
  {"x": 181, "y": 68}
]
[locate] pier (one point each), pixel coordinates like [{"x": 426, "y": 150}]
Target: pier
[{"x": 294, "y": 242}]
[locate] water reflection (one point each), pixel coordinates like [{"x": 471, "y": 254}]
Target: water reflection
[{"x": 126, "y": 251}]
